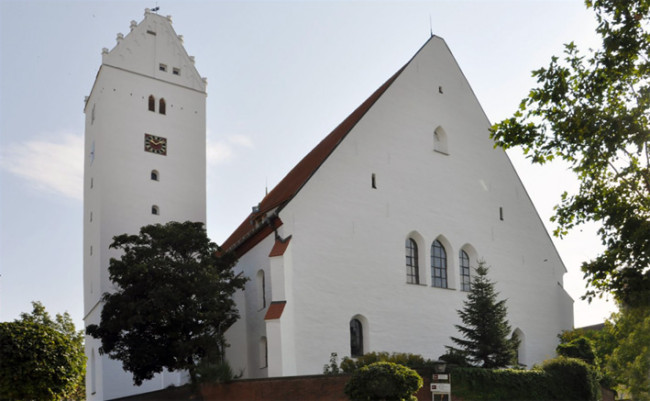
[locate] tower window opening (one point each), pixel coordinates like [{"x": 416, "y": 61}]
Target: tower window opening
[
  {"x": 162, "y": 106},
  {"x": 176, "y": 71},
  {"x": 162, "y": 67},
  {"x": 152, "y": 103},
  {"x": 373, "y": 180},
  {"x": 154, "y": 175},
  {"x": 155, "y": 210}
]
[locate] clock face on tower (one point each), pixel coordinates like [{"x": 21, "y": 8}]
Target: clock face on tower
[{"x": 155, "y": 144}]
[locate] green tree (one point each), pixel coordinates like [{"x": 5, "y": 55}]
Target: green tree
[
  {"x": 592, "y": 111},
  {"x": 629, "y": 363},
  {"x": 173, "y": 301},
  {"x": 383, "y": 381},
  {"x": 486, "y": 341},
  {"x": 41, "y": 358}
]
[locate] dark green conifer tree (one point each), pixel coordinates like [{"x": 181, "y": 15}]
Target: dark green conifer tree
[{"x": 487, "y": 340}]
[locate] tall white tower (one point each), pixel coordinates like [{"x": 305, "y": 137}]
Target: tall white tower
[{"x": 144, "y": 164}]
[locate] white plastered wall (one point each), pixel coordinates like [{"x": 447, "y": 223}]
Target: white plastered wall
[{"x": 348, "y": 238}]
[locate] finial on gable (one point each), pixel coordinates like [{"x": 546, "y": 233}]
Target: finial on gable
[
  {"x": 119, "y": 38},
  {"x": 169, "y": 18},
  {"x": 133, "y": 24},
  {"x": 180, "y": 37},
  {"x": 147, "y": 11},
  {"x": 104, "y": 50},
  {"x": 192, "y": 59}
]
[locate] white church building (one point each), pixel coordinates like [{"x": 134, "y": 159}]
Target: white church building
[{"x": 367, "y": 244}]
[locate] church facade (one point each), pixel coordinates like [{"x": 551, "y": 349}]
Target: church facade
[{"x": 368, "y": 244}]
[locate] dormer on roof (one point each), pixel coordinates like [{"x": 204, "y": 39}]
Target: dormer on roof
[{"x": 153, "y": 48}]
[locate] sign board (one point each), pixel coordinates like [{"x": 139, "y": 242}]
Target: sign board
[
  {"x": 444, "y": 388},
  {"x": 440, "y": 377}
]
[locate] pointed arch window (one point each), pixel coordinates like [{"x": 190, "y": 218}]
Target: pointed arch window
[
  {"x": 152, "y": 103},
  {"x": 465, "y": 279},
  {"x": 264, "y": 353},
  {"x": 261, "y": 289},
  {"x": 438, "y": 265},
  {"x": 356, "y": 338},
  {"x": 412, "y": 269},
  {"x": 162, "y": 107}
]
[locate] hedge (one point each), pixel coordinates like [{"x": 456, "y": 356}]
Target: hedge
[{"x": 565, "y": 379}]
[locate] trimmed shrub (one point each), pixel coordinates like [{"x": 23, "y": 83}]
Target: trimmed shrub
[
  {"x": 564, "y": 379},
  {"x": 573, "y": 379},
  {"x": 383, "y": 381},
  {"x": 503, "y": 384}
]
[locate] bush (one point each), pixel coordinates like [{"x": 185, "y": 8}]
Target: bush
[
  {"x": 564, "y": 379},
  {"x": 573, "y": 379},
  {"x": 383, "y": 381},
  {"x": 581, "y": 348},
  {"x": 413, "y": 361},
  {"x": 480, "y": 384}
]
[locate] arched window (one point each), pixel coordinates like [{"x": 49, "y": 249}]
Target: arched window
[
  {"x": 261, "y": 289},
  {"x": 152, "y": 103},
  {"x": 264, "y": 353},
  {"x": 440, "y": 141},
  {"x": 154, "y": 175},
  {"x": 438, "y": 265},
  {"x": 155, "y": 210},
  {"x": 412, "y": 270},
  {"x": 465, "y": 280},
  {"x": 356, "y": 338},
  {"x": 520, "y": 355},
  {"x": 161, "y": 106}
]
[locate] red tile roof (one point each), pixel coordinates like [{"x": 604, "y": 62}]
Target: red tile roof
[
  {"x": 275, "y": 310},
  {"x": 300, "y": 174},
  {"x": 279, "y": 247}
]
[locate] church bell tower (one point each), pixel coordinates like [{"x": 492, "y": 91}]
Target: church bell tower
[{"x": 145, "y": 162}]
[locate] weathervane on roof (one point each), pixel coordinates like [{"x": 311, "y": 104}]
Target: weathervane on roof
[{"x": 155, "y": 9}]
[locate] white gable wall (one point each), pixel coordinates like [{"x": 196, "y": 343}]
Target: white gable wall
[{"x": 347, "y": 245}]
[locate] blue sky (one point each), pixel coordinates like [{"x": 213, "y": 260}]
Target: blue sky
[{"x": 281, "y": 75}]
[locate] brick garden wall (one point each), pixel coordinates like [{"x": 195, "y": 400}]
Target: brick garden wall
[{"x": 297, "y": 388}]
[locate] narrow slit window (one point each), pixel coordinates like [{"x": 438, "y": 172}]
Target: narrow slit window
[
  {"x": 152, "y": 103},
  {"x": 373, "y": 179},
  {"x": 501, "y": 213},
  {"x": 162, "y": 106}
]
